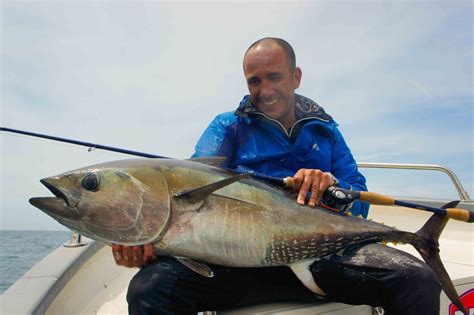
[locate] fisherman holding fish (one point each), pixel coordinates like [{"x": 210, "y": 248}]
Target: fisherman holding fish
[{"x": 279, "y": 133}]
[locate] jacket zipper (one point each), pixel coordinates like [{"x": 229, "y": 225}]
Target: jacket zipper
[{"x": 283, "y": 128}]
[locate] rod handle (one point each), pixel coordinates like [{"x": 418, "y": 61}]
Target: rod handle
[
  {"x": 460, "y": 214},
  {"x": 376, "y": 199}
]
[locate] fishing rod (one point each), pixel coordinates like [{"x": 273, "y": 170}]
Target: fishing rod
[
  {"x": 337, "y": 195},
  {"x": 333, "y": 195},
  {"x": 92, "y": 146}
]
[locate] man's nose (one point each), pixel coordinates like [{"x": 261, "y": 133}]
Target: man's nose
[{"x": 266, "y": 89}]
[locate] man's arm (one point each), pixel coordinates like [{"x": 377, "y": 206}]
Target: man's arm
[
  {"x": 344, "y": 168},
  {"x": 344, "y": 171},
  {"x": 217, "y": 139}
]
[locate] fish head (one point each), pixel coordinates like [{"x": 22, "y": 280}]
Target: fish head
[{"x": 109, "y": 204}]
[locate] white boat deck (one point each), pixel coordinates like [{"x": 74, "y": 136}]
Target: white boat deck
[{"x": 85, "y": 280}]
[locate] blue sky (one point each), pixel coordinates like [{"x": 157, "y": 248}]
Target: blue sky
[{"x": 149, "y": 76}]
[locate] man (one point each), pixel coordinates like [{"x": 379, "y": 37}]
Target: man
[{"x": 279, "y": 133}]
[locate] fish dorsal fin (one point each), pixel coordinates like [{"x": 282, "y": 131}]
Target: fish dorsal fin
[
  {"x": 209, "y": 160},
  {"x": 196, "y": 266},
  {"x": 301, "y": 270},
  {"x": 201, "y": 193}
]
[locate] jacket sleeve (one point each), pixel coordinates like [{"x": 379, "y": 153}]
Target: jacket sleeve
[
  {"x": 345, "y": 169},
  {"x": 217, "y": 139}
]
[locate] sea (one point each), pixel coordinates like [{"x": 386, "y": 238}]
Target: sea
[{"x": 21, "y": 250}]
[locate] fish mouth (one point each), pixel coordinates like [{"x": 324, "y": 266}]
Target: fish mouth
[
  {"x": 49, "y": 183},
  {"x": 59, "y": 206},
  {"x": 58, "y": 193},
  {"x": 55, "y": 207}
]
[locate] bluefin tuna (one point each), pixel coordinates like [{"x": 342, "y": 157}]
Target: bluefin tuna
[{"x": 198, "y": 213}]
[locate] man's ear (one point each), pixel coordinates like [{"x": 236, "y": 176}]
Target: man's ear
[{"x": 297, "y": 77}]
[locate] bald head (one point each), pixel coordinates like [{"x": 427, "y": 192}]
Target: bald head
[
  {"x": 272, "y": 78},
  {"x": 268, "y": 42}
]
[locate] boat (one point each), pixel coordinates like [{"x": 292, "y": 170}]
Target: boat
[{"x": 81, "y": 277}]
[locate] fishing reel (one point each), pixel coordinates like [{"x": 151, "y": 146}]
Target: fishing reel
[{"x": 338, "y": 198}]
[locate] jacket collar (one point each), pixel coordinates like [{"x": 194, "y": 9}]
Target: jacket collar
[{"x": 304, "y": 108}]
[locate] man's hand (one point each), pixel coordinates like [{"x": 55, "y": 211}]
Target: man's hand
[
  {"x": 314, "y": 181},
  {"x": 133, "y": 256}
]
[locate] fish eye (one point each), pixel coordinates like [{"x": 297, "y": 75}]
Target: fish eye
[{"x": 90, "y": 182}]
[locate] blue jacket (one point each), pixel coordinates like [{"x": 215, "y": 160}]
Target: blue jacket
[{"x": 251, "y": 141}]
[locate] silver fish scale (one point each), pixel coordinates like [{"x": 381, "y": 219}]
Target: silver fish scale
[{"x": 287, "y": 250}]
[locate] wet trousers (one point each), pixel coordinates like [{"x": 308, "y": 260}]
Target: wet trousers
[{"x": 373, "y": 274}]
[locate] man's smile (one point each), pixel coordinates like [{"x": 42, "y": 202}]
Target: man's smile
[{"x": 270, "y": 102}]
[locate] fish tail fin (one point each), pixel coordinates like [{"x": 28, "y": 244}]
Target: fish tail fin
[{"x": 428, "y": 247}]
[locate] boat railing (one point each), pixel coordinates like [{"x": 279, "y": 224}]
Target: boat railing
[{"x": 422, "y": 167}]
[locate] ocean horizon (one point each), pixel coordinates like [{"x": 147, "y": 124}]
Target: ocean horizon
[{"x": 22, "y": 249}]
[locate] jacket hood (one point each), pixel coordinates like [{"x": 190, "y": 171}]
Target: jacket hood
[{"x": 304, "y": 108}]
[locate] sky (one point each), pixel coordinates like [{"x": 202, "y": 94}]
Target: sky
[{"x": 150, "y": 75}]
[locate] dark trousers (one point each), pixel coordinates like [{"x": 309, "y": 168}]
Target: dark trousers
[{"x": 374, "y": 274}]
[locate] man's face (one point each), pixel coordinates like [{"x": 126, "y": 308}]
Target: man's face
[{"x": 271, "y": 82}]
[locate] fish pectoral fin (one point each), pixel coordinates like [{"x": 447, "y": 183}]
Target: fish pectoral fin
[
  {"x": 301, "y": 270},
  {"x": 196, "y": 266},
  {"x": 203, "y": 192},
  {"x": 209, "y": 160}
]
